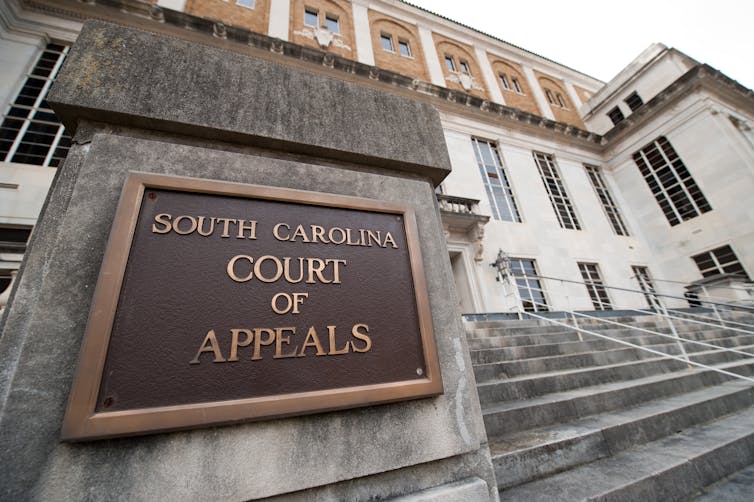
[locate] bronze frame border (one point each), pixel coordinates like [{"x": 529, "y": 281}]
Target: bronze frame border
[{"x": 82, "y": 422}]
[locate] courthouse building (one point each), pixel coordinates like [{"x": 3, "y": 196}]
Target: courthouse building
[{"x": 643, "y": 181}]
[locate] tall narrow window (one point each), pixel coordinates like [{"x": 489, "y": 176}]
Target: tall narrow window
[
  {"x": 608, "y": 204},
  {"x": 332, "y": 23},
  {"x": 722, "y": 260},
  {"x": 311, "y": 17},
  {"x": 496, "y": 182},
  {"x": 450, "y": 64},
  {"x": 616, "y": 115},
  {"x": 504, "y": 81},
  {"x": 590, "y": 272},
  {"x": 529, "y": 288},
  {"x": 465, "y": 67},
  {"x": 30, "y": 132},
  {"x": 641, "y": 274},
  {"x": 556, "y": 191},
  {"x": 517, "y": 85},
  {"x": 561, "y": 100},
  {"x": 671, "y": 183},
  {"x": 404, "y": 48},
  {"x": 634, "y": 101},
  {"x": 550, "y": 97},
  {"x": 387, "y": 42}
]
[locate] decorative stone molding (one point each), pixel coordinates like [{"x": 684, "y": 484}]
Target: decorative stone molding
[
  {"x": 466, "y": 81},
  {"x": 323, "y": 36}
]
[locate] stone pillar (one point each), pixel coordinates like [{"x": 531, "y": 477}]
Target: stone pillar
[
  {"x": 575, "y": 99},
  {"x": 219, "y": 115},
  {"x": 539, "y": 96},
  {"x": 430, "y": 55},
  {"x": 280, "y": 19},
  {"x": 363, "y": 32},
  {"x": 490, "y": 79}
]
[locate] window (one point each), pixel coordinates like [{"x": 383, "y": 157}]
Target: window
[
  {"x": 404, "y": 48},
  {"x": 561, "y": 100},
  {"x": 634, "y": 101},
  {"x": 671, "y": 183},
  {"x": 465, "y": 67},
  {"x": 721, "y": 260},
  {"x": 30, "y": 132},
  {"x": 496, "y": 183},
  {"x": 556, "y": 191},
  {"x": 311, "y": 17},
  {"x": 641, "y": 274},
  {"x": 13, "y": 239},
  {"x": 529, "y": 288},
  {"x": 616, "y": 115},
  {"x": 517, "y": 85},
  {"x": 504, "y": 81},
  {"x": 249, "y": 4},
  {"x": 332, "y": 23},
  {"x": 450, "y": 64},
  {"x": 590, "y": 272},
  {"x": 550, "y": 98},
  {"x": 387, "y": 42},
  {"x": 608, "y": 204}
]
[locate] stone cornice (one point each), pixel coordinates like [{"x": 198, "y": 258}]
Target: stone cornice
[
  {"x": 157, "y": 19},
  {"x": 699, "y": 77}
]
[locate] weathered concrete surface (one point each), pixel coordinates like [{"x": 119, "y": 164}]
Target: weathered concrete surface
[
  {"x": 246, "y": 461},
  {"x": 160, "y": 83},
  {"x": 361, "y": 454}
]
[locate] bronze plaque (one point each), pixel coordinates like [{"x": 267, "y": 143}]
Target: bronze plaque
[{"x": 221, "y": 302}]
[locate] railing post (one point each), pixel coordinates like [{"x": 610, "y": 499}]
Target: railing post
[
  {"x": 570, "y": 310},
  {"x": 714, "y": 307}
]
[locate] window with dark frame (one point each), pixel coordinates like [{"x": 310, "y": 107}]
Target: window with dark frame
[
  {"x": 504, "y": 81},
  {"x": 387, "y": 42},
  {"x": 517, "y": 85},
  {"x": 641, "y": 274},
  {"x": 529, "y": 286},
  {"x": 590, "y": 272},
  {"x": 561, "y": 100},
  {"x": 404, "y": 48},
  {"x": 634, "y": 101},
  {"x": 450, "y": 64},
  {"x": 332, "y": 23},
  {"x": 550, "y": 97},
  {"x": 249, "y": 4},
  {"x": 311, "y": 17},
  {"x": 465, "y": 67},
  {"x": 30, "y": 132},
  {"x": 559, "y": 199},
  {"x": 616, "y": 115},
  {"x": 676, "y": 192},
  {"x": 606, "y": 199},
  {"x": 722, "y": 260},
  {"x": 496, "y": 184}
]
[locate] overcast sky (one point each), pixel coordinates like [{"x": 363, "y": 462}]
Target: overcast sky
[{"x": 600, "y": 38}]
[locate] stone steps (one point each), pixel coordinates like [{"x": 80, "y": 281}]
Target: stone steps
[
  {"x": 530, "y": 454},
  {"x": 669, "y": 469},
  {"x": 560, "y": 409}
]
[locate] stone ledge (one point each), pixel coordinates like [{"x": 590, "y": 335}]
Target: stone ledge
[{"x": 155, "y": 82}]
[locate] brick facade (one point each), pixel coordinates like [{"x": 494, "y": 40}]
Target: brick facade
[
  {"x": 558, "y": 99},
  {"x": 398, "y": 31},
  {"x": 343, "y": 43},
  {"x": 524, "y": 99},
  {"x": 583, "y": 93},
  {"x": 256, "y": 19},
  {"x": 459, "y": 53}
]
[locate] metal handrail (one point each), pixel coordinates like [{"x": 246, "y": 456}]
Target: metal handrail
[
  {"x": 640, "y": 347},
  {"x": 686, "y": 283},
  {"x": 630, "y": 290},
  {"x": 727, "y": 321},
  {"x": 645, "y": 330}
]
